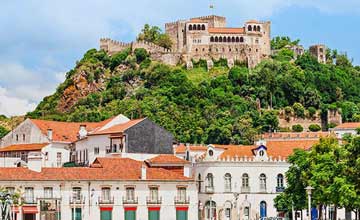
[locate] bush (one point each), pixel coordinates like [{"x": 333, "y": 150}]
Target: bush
[
  {"x": 141, "y": 54},
  {"x": 331, "y": 125},
  {"x": 3, "y": 131},
  {"x": 314, "y": 127},
  {"x": 297, "y": 128},
  {"x": 299, "y": 110},
  {"x": 312, "y": 112}
]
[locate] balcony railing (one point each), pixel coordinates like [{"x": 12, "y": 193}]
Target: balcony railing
[
  {"x": 29, "y": 200},
  {"x": 103, "y": 200},
  {"x": 209, "y": 189},
  {"x": 181, "y": 200},
  {"x": 245, "y": 189},
  {"x": 280, "y": 189},
  {"x": 153, "y": 201},
  {"x": 130, "y": 200},
  {"x": 77, "y": 200}
]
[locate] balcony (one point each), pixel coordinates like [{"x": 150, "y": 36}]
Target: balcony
[
  {"x": 245, "y": 189},
  {"x": 130, "y": 201},
  {"x": 182, "y": 200},
  {"x": 74, "y": 201},
  {"x": 29, "y": 200},
  {"x": 209, "y": 189},
  {"x": 106, "y": 201},
  {"x": 153, "y": 201},
  {"x": 280, "y": 189}
]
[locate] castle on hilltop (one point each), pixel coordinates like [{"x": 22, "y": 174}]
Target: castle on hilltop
[{"x": 206, "y": 38}]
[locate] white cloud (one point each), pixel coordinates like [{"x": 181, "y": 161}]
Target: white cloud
[{"x": 10, "y": 105}]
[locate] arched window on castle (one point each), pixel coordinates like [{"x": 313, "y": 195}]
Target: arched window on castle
[
  {"x": 220, "y": 39},
  {"x": 258, "y": 28},
  {"x": 241, "y": 39},
  {"x": 254, "y": 28},
  {"x": 203, "y": 27},
  {"x": 237, "y": 39},
  {"x": 211, "y": 39},
  {"x": 199, "y": 27},
  {"x": 194, "y": 27},
  {"x": 224, "y": 39},
  {"x": 249, "y": 28},
  {"x": 190, "y": 27},
  {"x": 233, "y": 39},
  {"x": 229, "y": 39}
]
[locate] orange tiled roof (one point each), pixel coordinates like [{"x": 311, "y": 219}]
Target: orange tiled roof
[
  {"x": 167, "y": 159},
  {"x": 102, "y": 169},
  {"x": 23, "y": 147},
  {"x": 227, "y": 30},
  {"x": 66, "y": 131},
  {"x": 239, "y": 151},
  {"x": 349, "y": 125},
  {"x": 118, "y": 128}
]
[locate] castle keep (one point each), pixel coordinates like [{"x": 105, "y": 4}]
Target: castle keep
[{"x": 206, "y": 38}]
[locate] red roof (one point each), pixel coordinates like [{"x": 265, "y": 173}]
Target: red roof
[
  {"x": 101, "y": 169},
  {"x": 348, "y": 125},
  {"x": 120, "y": 128},
  {"x": 66, "y": 131},
  {"x": 167, "y": 159},
  {"x": 23, "y": 147},
  {"x": 227, "y": 30},
  {"x": 239, "y": 151}
]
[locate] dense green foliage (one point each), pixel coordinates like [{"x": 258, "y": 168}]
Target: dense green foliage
[
  {"x": 199, "y": 106},
  {"x": 297, "y": 128},
  {"x": 154, "y": 34},
  {"x": 332, "y": 170},
  {"x": 314, "y": 127},
  {"x": 3, "y": 131}
]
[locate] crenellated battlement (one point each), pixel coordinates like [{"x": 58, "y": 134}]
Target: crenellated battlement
[{"x": 246, "y": 159}]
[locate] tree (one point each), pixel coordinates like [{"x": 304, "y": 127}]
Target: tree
[
  {"x": 3, "y": 131},
  {"x": 153, "y": 34},
  {"x": 141, "y": 54},
  {"x": 297, "y": 128},
  {"x": 280, "y": 42},
  {"x": 299, "y": 110}
]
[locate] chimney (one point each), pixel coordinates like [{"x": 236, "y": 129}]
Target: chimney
[
  {"x": 50, "y": 134},
  {"x": 82, "y": 132},
  {"x": 34, "y": 161},
  {"x": 143, "y": 172}
]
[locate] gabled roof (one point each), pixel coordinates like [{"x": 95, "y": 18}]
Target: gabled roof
[
  {"x": 119, "y": 128},
  {"x": 66, "y": 131},
  {"x": 101, "y": 169},
  {"x": 24, "y": 147},
  {"x": 348, "y": 125},
  {"x": 218, "y": 30},
  {"x": 167, "y": 159}
]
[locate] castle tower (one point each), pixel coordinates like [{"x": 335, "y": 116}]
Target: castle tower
[{"x": 319, "y": 52}]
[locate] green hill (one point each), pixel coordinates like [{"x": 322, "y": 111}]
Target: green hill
[{"x": 199, "y": 106}]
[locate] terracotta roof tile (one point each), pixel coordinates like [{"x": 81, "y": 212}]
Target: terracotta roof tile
[
  {"x": 239, "y": 151},
  {"x": 226, "y": 30},
  {"x": 120, "y": 128},
  {"x": 66, "y": 131},
  {"x": 23, "y": 147},
  {"x": 102, "y": 169},
  {"x": 348, "y": 125},
  {"x": 167, "y": 159}
]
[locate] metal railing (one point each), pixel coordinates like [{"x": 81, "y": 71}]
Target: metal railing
[
  {"x": 182, "y": 200},
  {"x": 245, "y": 189},
  {"x": 150, "y": 200},
  {"x": 130, "y": 200},
  {"x": 103, "y": 200},
  {"x": 73, "y": 200}
]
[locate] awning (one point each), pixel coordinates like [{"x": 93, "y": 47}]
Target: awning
[
  {"x": 183, "y": 208},
  {"x": 130, "y": 208},
  {"x": 106, "y": 208},
  {"x": 154, "y": 208},
  {"x": 30, "y": 210}
]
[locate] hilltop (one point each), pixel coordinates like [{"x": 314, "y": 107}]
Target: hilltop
[{"x": 220, "y": 106}]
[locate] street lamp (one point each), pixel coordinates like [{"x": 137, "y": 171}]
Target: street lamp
[{"x": 308, "y": 191}]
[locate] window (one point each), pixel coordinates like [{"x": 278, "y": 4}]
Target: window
[
  {"x": 77, "y": 193},
  {"x": 261, "y": 153},
  {"x": 17, "y": 137},
  {"x": 263, "y": 211},
  {"x": 48, "y": 192},
  {"x": 216, "y": 39},
  {"x": 227, "y": 182},
  {"x": 209, "y": 182},
  {"x": 105, "y": 194},
  {"x": 211, "y": 39},
  {"x": 199, "y": 27},
  {"x": 224, "y": 39},
  {"x": 10, "y": 190},
  {"x": 203, "y": 27},
  {"x": 130, "y": 193},
  {"x": 245, "y": 180},
  {"x": 154, "y": 194},
  {"x": 194, "y": 27},
  {"x": 29, "y": 195},
  {"x": 262, "y": 182},
  {"x": 190, "y": 28},
  {"x": 258, "y": 28},
  {"x": 249, "y": 28},
  {"x": 280, "y": 180},
  {"x": 227, "y": 213},
  {"x": 23, "y": 137},
  {"x": 181, "y": 194},
  {"x": 96, "y": 150},
  {"x": 211, "y": 153},
  {"x": 58, "y": 159},
  {"x": 199, "y": 182},
  {"x": 241, "y": 39},
  {"x": 210, "y": 210}
]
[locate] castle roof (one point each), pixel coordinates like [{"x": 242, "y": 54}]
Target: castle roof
[{"x": 226, "y": 30}]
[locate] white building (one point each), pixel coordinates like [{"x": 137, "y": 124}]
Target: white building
[
  {"x": 347, "y": 128},
  {"x": 111, "y": 188}
]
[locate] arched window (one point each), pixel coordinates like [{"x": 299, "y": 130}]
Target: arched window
[
  {"x": 241, "y": 39},
  {"x": 194, "y": 27},
  {"x": 262, "y": 182},
  {"x": 211, "y": 39},
  {"x": 196, "y": 50},
  {"x": 249, "y": 28},
  {"x": 237, "y": 39},
  {"x": 263, "y": 210},
  {"x": 199, "y": 27},
  {"x": 224, "y": 39},
  {"x": 187, "y": 155},
  {"x": 203, "y": 27},
  {"x": 209, "y": 182},
  {"x": 229, "y": 39},
  {"x": 258, "y": 28},
  {"x": 227, "y": 178},
  {"x": 233, "y": 39},
  {"x": 220, "y": 39},
  {"x": 190, "y": 27},
  {"x": 17, "y": 137},
  {"x": 280, "y": 180},
  {"x": 216, "y": 39},
  {"x": 23, "y": 137},
  {"x": 210, "y": 210},
  {"x": 199, "y": 182},
  {"x": 245, "y": 180},
  {"x": 254, "y": 29}
]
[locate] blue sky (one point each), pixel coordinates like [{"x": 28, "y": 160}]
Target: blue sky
[{"x": 41, "y": 40}]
